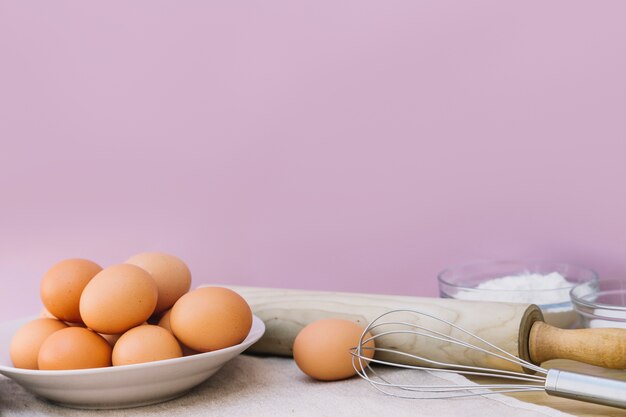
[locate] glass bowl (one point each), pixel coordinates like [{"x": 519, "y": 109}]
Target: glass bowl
[
  {"x": 601, "y": 304},
  {"x": 550, "y": 292}
]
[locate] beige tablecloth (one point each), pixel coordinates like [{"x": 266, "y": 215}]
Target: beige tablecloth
[{"x": 266, "y": 386}]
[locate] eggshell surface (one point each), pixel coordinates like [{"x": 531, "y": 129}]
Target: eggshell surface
[
  {"x": 62, "y": 285},
  {"x": 172, "y": 276},
  {"x": 74, "y": 348},
  {"x": 211, "y": 318},
  {"x": 27, "y": 341},
  {"x": 118, "y": 298},
  {"x": 145, "y": 343},
  {"x": 322, "y": 349},
  {"x": 45, "y": 314},
  {"x": 110, "y": 338},
  {"x": 165, "y": 323}
]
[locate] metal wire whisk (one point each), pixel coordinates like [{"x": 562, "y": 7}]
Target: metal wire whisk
[{"x": 555, "y": 382}]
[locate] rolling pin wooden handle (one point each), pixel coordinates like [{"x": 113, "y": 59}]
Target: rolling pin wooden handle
[{"x": 600, "y": 347}]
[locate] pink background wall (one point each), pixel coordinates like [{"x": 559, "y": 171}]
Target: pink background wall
[{"x": 351, "y": 145}]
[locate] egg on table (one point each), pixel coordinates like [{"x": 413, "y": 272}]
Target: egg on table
[{"x": 322, "y": 349}]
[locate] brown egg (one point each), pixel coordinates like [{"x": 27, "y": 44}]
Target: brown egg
[
  {"x": 111, "y": 338},
  {"x": 118, "y": 298},
  {"x": 322, "y": 349},
  {"x": 28, "y": 339},
  {"x": 171, "y": 275},
  {"x": 145, "y": 344},
  {"x": 165, "y": 323},
  {"x": 211, "y": 318},
  {"x": 45, "y": 314},
  {"x": 62, "y": 286},
  {"x": 74, "y": 348}
]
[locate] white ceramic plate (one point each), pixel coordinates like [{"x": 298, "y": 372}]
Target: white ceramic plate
[{"x": 120, "y": 386}]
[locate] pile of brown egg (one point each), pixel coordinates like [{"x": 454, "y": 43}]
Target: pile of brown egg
[{"x": 134, "y": 312}]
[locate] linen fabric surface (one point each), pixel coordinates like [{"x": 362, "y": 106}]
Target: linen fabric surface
[{"x": 258, "y": 386}]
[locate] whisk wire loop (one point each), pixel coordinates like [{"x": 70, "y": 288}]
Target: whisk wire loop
[
  {"x": 361, "y": 363},
  {"x": 445, "y": 339}
]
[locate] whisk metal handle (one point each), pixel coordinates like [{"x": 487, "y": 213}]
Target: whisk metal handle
[{"x": 587, "y": 388}]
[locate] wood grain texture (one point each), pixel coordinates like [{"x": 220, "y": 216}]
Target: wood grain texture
[
  {"x": 285, "y": 312},
  {"x": 600, "y": 347},
  {"x": 506, "y": 325}
]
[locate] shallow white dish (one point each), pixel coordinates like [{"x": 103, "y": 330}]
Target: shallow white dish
[{"x": 120, "y": 386}]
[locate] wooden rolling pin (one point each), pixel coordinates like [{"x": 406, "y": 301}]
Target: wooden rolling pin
[{"x": 517, "y": 328}]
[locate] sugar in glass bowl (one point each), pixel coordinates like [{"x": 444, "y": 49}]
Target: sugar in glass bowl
[
  {"x": 544, "y": 283},
  {"x": 601, "y": 303}
]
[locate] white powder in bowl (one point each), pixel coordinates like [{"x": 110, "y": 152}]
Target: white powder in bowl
[
  {"x": 544, "y": 290},
  {"x": 552, "y": 288}
]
